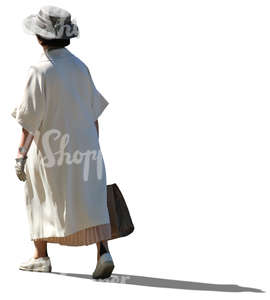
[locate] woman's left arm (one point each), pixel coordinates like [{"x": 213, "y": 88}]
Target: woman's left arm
[{"x": 25, "y": 143}]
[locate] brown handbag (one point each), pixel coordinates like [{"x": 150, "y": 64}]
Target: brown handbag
[{"x": 121, "y": 223}]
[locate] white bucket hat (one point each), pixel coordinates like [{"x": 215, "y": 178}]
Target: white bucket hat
[{"x": 51, "y": 23}]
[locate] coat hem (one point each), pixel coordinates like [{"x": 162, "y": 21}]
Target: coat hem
[{"x": 86, "y": 236}]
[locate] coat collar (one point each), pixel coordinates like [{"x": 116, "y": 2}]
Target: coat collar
[{"x": 54, "y": 54}]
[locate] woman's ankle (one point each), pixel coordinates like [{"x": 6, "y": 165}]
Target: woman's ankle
[
  {"x": 103, "y": 248},
  {"x": 39, "y": 256}
]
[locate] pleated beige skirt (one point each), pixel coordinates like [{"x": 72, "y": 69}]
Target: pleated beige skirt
[{"x": 86, "y": 236}]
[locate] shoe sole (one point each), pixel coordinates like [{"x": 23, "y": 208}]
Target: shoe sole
[
  {"x": 41, "y": 269},
  {"x": 105, "y": 270}
]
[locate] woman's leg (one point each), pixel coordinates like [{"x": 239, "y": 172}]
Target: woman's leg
[
  {"x": 103, "y": 270},
  {"x": 40, "y": 249},
  {"x": 102, "y": 247}
]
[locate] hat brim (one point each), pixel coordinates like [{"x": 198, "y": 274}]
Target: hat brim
[{"x": 30, "y": 27}]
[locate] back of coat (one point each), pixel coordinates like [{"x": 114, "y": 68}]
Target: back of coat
[{"x": 65, "y": 190}]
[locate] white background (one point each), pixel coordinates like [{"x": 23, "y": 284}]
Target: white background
[{"x": 185, "y": 136}]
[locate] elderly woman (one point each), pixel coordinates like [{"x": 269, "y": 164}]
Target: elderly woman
[{"x": 63, "y": 170}]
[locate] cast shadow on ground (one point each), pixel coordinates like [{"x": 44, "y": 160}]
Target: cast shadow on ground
[{"x": 166, "y": 283}]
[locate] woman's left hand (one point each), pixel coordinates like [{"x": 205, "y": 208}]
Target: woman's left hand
[
  {"x": 26, "y": 140},
  {"x": 19, "y": 168}
]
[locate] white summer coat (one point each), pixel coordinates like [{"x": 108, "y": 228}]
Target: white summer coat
[{"x": 65, "y": 190}]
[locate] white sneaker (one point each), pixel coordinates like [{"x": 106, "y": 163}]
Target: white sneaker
[
  {"x": 104, "y": 266},
  {"x": 41, "y": 264}
]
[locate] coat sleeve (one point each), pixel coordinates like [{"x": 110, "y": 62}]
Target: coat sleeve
[
  {"x": 97, "y": 102},
  {"x": 30, "y": 111}
]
